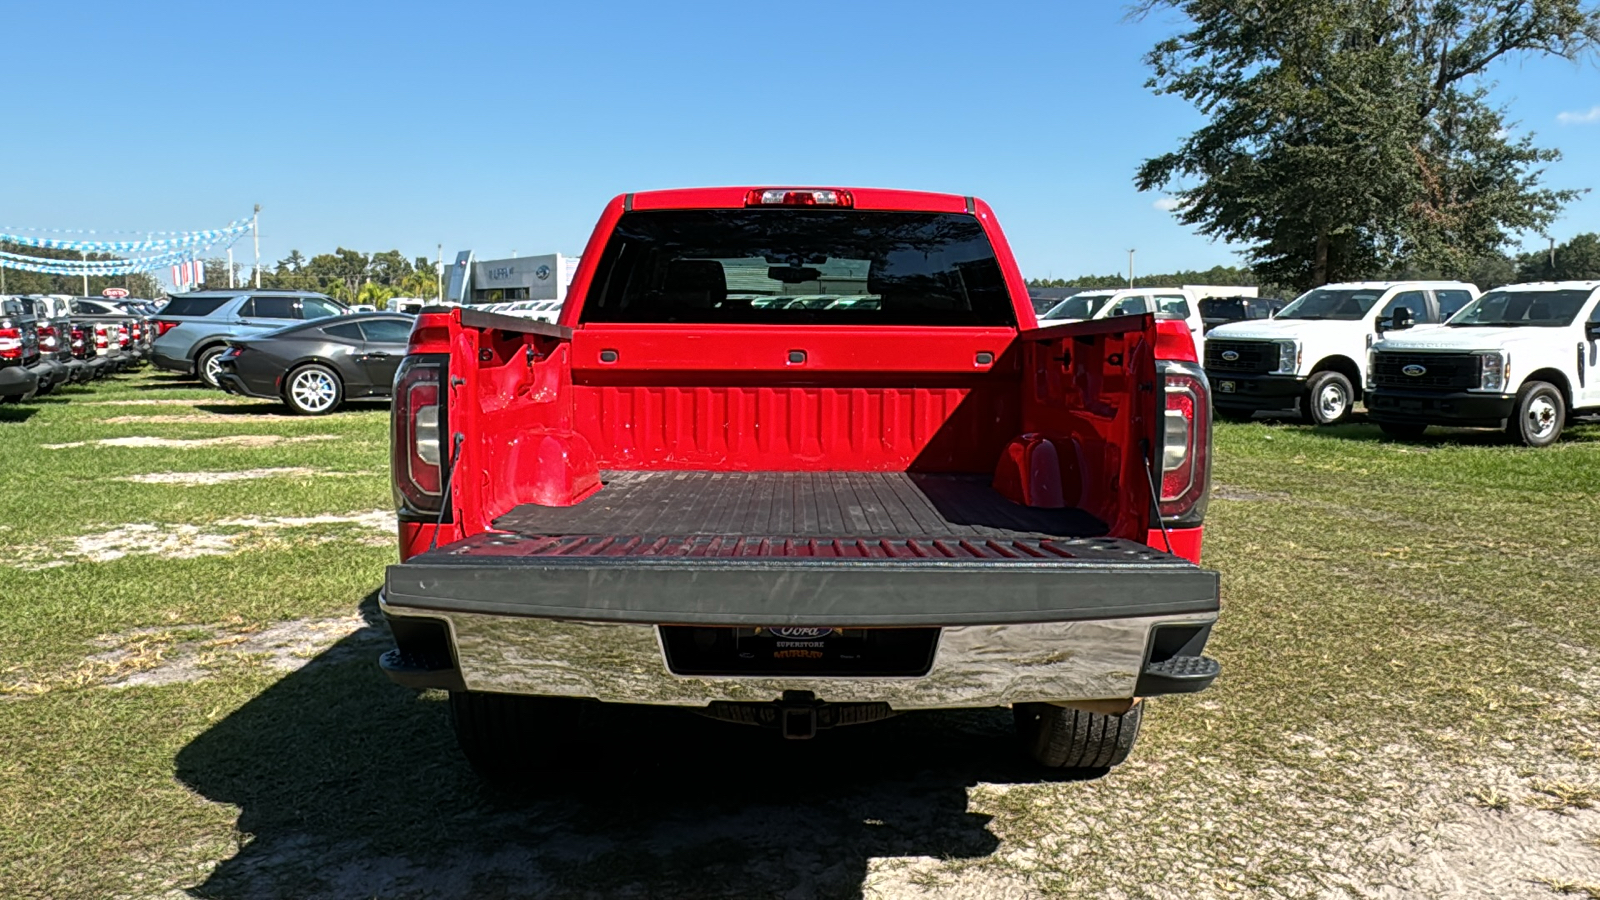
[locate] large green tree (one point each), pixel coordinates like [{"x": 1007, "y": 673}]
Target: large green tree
[{"x": 1350, "y": 137}]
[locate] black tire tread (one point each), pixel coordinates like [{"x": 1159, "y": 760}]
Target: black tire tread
[
  {"x": 504, "y": 735},
  {"x": 1063, "y": 738}
]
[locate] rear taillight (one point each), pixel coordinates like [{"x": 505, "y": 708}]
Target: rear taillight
[
  {"x": 102, "y": 338},
  {"x": 1185, "y": 445},
  {"x": 122, "y": 336},
  {"x": 47, "y": 339},
  {"x": 10, "y": 343},
  {"x": 420, "y": 424},
  {"x": 78, "y": 338},
  {"x": 164, "y": 325}
]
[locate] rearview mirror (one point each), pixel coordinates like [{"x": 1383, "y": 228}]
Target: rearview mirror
[
  {"x": 1591, "y": 331},
  {"x": 793, "y": 274}
]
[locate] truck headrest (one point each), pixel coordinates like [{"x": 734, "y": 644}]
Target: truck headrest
[{"x": 695, "y": 283}]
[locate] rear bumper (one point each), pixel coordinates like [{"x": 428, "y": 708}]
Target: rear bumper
[
  {"x": 17, "y": 380},
  {"x": 1461, "y": 409},
  {"x": 232, "y": 383},
  {"x": 171, "y": 363},
  {"x": 1255, "y": 392},
  {"x": 620, "y": 662},
  {"x": 1083, "y": 628}
]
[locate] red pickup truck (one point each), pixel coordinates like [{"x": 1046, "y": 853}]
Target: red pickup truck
[{"x": 799, "y": 458}]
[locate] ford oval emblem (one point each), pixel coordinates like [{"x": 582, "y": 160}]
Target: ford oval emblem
[
  {"x": 1415, "y": 370},
  {"x": 799, "y": 634},
  {"x": 542, "y": 273},
  {"x": 1230, "y": 355}
]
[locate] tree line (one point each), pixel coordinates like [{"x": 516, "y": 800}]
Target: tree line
[
  {"x": 1576, "y": 260},
  {"x": 346, "y": 275}
]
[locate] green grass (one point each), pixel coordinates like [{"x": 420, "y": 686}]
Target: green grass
[{"x": 1399, "y": 620}]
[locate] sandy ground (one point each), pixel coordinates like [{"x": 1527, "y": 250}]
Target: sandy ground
[
  {"x": 233, "y": 440},
  {"x": 183, "y": 541},
  {"x": 200, "y": 479},
  {"x": 219, "y": 401}
]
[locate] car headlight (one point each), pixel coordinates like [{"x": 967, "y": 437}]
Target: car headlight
[
  {"x": 1492, "y": 368},
  {"x": 1288, "y": 357}
]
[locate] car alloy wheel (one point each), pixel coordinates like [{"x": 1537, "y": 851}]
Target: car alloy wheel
[
  {"x": 211, "y": 367},
  {"x": 313, "y": 390}
]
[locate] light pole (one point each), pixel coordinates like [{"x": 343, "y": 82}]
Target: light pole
[
  {"x": 1131, "y": 251},
  {"x": 255, "y": 232}
]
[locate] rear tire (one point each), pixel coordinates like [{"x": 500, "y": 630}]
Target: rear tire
[
  {"x": 313, "y": 390},
  {"x": 1539, "y": 415},
  {"x": 1329, "y": 398},
  {"x": 1235, "y": 415},
  {"x": 1064, "y": 738},
  {"x": 506, "y": 737},
  {"x": 205, "y": 365},
  {"x": 1405, "y": 431}
]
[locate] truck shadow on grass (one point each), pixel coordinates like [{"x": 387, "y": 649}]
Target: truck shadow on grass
[{"x": 350, "y": 786}]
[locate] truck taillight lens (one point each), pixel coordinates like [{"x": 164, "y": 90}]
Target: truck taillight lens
[
  {"x": 78, "y": 338},
  {"x": 122, "y": 336},
  {"x": 102, "y": 338},
  {"x": 420, "y": 424},
  {"x": 1185, "y": 445},
  {"x": 798, "y": 197},
  {"x": 164, "y": 325},
  {"x": 10, "y": 343},
  {"x": 47, "y": 339}
]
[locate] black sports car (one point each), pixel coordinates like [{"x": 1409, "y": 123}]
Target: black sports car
[{"x": 315, "y": 366}]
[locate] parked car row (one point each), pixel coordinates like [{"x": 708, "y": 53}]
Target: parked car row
[
  {"x": 1419, "y": 353},
  {"x": 306, "y": 350},
  {"x": 50, "y": 340}
]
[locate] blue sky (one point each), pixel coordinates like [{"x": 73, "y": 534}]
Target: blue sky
[{"x": 506, "y": 126}]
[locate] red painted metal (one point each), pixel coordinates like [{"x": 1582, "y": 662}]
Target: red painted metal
[
  {"x": 541, "y": 416},
  {"x": 1185, "y": 541}
]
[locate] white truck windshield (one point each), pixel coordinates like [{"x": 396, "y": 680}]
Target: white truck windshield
[
  {"x": 1541, "y": 309},
  {"x": 1346, "y": 304}
]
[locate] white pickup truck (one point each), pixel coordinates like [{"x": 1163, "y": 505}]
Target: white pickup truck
[
  {"x": 1521, "y": 357},
  {"x": 1167, "y": 303},
  {"x": 1312, "y": 355}
]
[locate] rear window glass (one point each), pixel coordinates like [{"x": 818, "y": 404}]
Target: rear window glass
[
  {"x": 192, "y": 306},
  {"x": 387, "y": 331},
  {"x": 799, "y": 266},
  {"x": 1222, "y": 309},
  {"x": 270, "y": 308},
  {"x": 350, "y": 331}
]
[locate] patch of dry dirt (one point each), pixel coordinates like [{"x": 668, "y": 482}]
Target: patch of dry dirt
[
  {"x": 170, "y": 419},
  {"x": 184, "y": 541},
  {"x": 196, "y": 479},
  {"x": 185, "y": 653},
  {"x": 232, "y": 440},
  {"x": 164, "y": 402}
]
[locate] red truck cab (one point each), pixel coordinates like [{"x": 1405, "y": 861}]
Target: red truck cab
[{"x": 800, "y": 457}]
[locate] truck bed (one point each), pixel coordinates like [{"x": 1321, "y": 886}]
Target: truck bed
[{"x": 846, "y": 505}]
